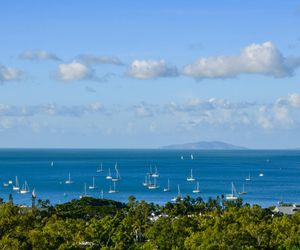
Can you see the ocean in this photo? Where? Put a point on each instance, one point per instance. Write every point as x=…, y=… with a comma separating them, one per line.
x=214, y=170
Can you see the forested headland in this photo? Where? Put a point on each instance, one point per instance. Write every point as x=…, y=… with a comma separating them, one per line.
x=91, y=223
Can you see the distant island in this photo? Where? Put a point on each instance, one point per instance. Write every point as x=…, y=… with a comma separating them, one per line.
x=205, y=145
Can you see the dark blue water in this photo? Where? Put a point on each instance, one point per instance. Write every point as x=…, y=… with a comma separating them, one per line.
x=215, y=170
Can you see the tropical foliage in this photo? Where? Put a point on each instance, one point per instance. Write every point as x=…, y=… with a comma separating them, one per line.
x=187, y=224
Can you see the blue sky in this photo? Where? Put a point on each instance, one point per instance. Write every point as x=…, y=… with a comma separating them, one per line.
x=149, y=73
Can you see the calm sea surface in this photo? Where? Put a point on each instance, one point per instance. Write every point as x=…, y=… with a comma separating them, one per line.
x=215, y=170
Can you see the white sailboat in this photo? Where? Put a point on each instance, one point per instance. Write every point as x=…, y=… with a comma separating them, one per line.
x=167, y=189
x=248, y=178
x=33, y=193
x=117, y=177
x=233, y=195
x=178, y=197
x=69, y=181
x=191, y=177
x=155, y=174
x=25, y=188
x=261, y=174
x=10, y=182
x=85, y=193
x=5, y=184
x=16, y=187
x=111, y=191
x=192, y=157
x=108, y=177
x=52, y=164
x=93, y=185
x=197, y=189
x=100, y=169
x=243, y=191
x=181, y=157
x=145, y=183
x=154, y=185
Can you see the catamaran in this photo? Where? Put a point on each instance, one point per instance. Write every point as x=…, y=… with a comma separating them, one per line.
x=85, y=193
x=108, y=177
x=167, y=189
x=118, y=177
x=25, y=188
x=197, y=189
x=69, y=181
x=111, y=191
x=100, y=170
x=16, y=187
x=248, y=178
x=191, y=177
x=178, y=197
x=243, y=191
x=153, y=186
x=93, y=186
x=233, y=196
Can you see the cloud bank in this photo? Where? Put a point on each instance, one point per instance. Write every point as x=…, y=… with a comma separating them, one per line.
x=264, y=59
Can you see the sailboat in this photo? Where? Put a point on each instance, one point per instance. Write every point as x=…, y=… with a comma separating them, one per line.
x=167, y=189
x=52, y=164
x=192, y=157
x=111, y=191
x=25, y=188
x=153, y=186
x=145, y=183
x=248, y=178
x=93, y=186
x=69, y=181
x=232, y=196
x=197, y=189
x=108, y=177
x=155, y=174
x=10, y=182
x=261, y=174
x=191, y=177
x=178, y=197
x=100, y=170
x=181, y=157
x=33, y=193
x=85, y=194
x=16, y=187
x=5, y=184
x=118, y=177
x=243, y=191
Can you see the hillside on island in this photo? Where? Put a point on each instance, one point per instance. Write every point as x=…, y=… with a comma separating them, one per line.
x=205, y=145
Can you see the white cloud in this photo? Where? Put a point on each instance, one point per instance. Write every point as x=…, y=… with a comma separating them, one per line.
x=73, y=71
x=263, y=59
x=41, y=55
x=9, y=74
x=151, y=69
x=93, y=59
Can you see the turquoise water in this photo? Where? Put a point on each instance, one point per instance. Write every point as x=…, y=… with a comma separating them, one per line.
x=215, y=170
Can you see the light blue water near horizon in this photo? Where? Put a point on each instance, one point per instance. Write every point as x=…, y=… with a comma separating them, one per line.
x=215, y=170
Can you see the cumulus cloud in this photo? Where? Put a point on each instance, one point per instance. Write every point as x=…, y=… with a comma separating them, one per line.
x=263, y=59
x=151, y=69
x=73, y=71
x=9, y=74
x=143, y=110
x=93, y=59
x=39, y=55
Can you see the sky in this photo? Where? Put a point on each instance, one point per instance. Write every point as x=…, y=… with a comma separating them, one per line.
x=144, y=74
